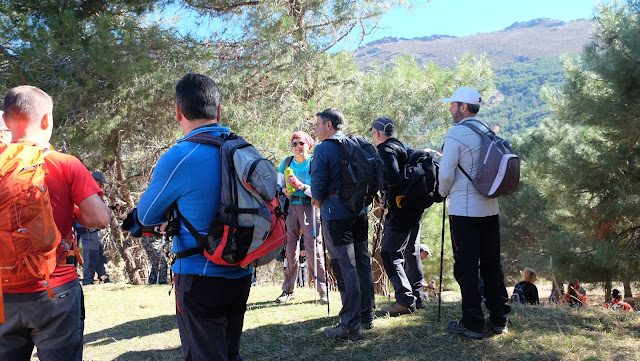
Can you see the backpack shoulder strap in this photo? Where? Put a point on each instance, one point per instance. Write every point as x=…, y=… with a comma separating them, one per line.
x=287, y=161
x=476, y=129
x=208, y=138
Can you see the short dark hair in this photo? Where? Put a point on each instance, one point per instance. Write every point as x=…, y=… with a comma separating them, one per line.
x=473, y=108
x=198, y=97
x=332, y=115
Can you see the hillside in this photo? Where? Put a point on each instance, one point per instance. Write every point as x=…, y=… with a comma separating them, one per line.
x=519, y=42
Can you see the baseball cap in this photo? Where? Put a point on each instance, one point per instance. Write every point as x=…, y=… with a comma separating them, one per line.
x=99, y=176
x=615, y=293
x=383, y=124
x=464, y=95
x=425, y=248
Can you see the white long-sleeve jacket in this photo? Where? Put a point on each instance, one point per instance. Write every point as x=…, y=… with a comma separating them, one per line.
x=463, y=146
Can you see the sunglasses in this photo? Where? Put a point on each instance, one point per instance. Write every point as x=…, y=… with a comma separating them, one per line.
x=294, y=144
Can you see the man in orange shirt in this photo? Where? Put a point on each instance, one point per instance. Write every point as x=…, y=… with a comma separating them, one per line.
x=55, y=326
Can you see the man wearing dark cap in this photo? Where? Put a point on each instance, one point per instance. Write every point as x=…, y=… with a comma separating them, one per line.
x=93, y=257
x=400, y=249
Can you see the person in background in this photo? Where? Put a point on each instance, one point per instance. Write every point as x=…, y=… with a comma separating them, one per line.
x=425, y=252
x=573, y=297
x=94, y=260
x=300, y=218
x=617, y=302
x=54, y=325
x=528, y=291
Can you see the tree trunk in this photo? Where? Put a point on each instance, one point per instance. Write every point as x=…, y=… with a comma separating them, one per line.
x=607, y=288
x=627, y=288
x=380, y=278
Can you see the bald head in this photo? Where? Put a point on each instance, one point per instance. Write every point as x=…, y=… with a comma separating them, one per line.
x=27, y=112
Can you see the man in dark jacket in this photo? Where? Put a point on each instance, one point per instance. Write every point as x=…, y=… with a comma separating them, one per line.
x=400, y=250
x=344, y=231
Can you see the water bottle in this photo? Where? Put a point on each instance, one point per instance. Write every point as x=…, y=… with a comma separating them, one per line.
x=290, y=187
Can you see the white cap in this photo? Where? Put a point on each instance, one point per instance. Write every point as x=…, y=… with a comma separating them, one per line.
x=425, y=248
x=464, y=95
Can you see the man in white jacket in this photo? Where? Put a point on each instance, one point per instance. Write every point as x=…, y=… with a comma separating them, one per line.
x=473, y=221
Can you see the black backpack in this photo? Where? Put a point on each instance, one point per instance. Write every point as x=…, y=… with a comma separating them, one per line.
x=517, y=297
x=421, y=190
x=362, y=172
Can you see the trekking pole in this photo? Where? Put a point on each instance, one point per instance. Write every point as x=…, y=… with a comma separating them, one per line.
x=326, y=276
x=315, y=257
x=444, y=206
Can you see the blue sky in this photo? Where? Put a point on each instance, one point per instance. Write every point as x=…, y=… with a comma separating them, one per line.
x=467, y=17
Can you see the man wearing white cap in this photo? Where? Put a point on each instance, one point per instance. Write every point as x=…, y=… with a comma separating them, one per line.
x=473, y=221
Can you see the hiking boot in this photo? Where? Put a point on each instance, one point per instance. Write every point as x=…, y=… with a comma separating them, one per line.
x=285, y=297
x=366, y=325
x=498, y=330
x=456, y=327
x=342, y=332
x=323, y=300
x=397, y=309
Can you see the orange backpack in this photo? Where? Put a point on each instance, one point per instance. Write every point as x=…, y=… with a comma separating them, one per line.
x=28, y=234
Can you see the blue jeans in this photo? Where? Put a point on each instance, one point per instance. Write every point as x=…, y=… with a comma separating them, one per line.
x=348, y=246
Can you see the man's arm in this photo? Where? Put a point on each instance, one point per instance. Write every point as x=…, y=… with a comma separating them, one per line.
x=320, y=174
x=391, y=171
x=448, y=165
x=165, y=187
x=93, y=213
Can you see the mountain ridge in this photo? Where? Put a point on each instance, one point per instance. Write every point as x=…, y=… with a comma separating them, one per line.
x=521, y=41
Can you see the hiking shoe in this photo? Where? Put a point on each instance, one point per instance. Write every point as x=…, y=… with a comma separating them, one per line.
x=498, y=330
x=323, y=300
x=285, y=297
x=342, y=332
x=456, y=327
x=397, y=309
x=366, y=325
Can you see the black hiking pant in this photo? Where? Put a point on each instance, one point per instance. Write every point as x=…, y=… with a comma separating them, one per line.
x=210, y=314
x=476, y=239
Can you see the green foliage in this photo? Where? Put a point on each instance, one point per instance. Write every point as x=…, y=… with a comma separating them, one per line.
x=585, y=163
x=519, y=105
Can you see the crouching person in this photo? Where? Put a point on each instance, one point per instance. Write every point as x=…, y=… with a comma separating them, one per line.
x=210, y=299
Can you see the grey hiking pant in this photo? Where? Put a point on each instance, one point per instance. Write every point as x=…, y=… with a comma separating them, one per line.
x=400, y=252
x=300, y=220
x=55, y=326
x=348, y=246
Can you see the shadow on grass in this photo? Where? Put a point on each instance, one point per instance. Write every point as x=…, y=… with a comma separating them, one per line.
x=129, y=330
x=538, y=333
x=169, y=354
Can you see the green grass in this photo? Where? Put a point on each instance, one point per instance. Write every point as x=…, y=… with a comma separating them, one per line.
x=138, y=323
